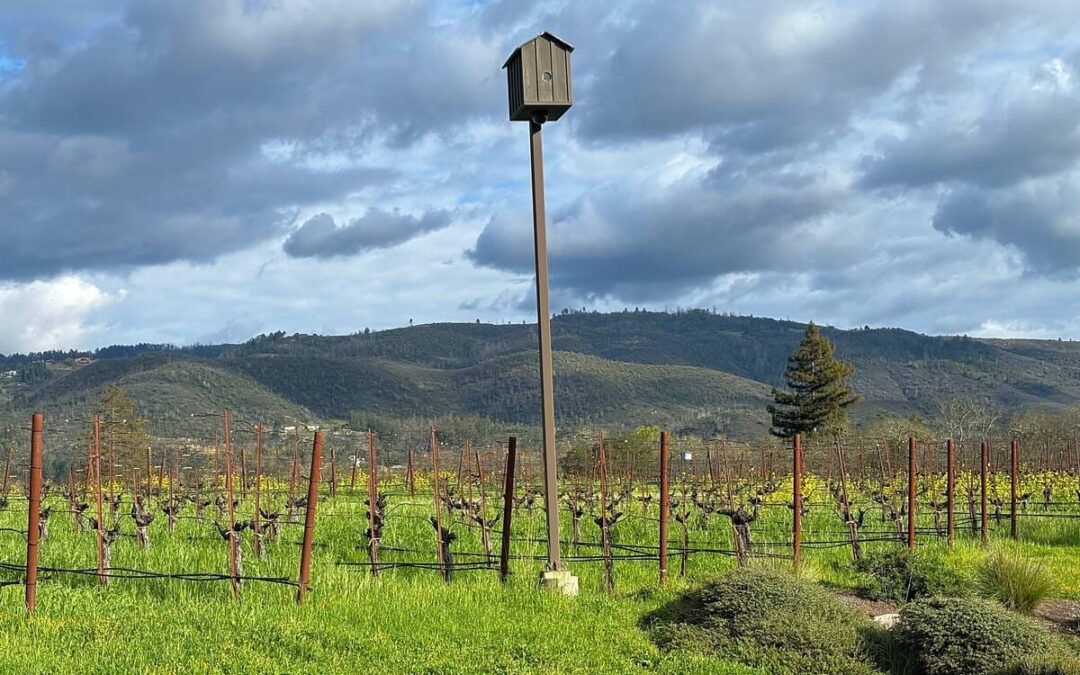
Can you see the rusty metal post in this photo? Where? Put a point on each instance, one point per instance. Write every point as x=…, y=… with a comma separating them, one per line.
x=37, y=431
x=102, y=579
x=796, y=500
x=410, y=478
x=543, y=325
x=950, y=490
x=508, y=509
x=912, y=477
x=665, y=505
x=309, y=516
x=984, y=464
x=1014, y=479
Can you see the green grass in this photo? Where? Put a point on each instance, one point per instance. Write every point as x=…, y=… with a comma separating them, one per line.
x=407, y=620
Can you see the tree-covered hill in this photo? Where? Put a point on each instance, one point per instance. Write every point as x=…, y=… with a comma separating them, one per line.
x=691, y=369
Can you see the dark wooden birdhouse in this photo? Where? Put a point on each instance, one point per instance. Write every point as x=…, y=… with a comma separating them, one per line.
x=538, y=78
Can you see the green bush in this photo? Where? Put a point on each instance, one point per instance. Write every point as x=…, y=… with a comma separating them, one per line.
x=901, y=575
x=969, y=636
x=767, y=620
x=1017, y=581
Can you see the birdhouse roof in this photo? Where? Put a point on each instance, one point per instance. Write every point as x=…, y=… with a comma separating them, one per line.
x=550, y=36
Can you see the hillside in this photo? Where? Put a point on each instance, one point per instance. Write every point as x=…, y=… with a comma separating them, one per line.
x=172, y=392
x=687, y=370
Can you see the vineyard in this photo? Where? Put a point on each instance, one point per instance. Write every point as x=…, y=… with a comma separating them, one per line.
x=199, y=556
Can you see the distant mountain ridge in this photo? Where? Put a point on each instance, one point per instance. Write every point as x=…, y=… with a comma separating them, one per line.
x=690, y=369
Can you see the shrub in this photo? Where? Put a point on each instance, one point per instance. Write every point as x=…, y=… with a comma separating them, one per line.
x=901, y=575
x=970, y=636
x=767, y=620
x=1017, y=581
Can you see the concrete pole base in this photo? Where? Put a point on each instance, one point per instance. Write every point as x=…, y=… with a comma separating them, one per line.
x=560, y=581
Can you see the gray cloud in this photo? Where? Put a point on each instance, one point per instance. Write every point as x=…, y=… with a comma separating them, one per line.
x=320, y=237
x=770, y=73
x=1038, y=134
x=1040, y=218
x=145, y=140
x=647, y=245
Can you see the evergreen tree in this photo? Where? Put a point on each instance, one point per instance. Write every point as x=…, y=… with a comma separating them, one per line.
x=817, y=395
x=121, y=426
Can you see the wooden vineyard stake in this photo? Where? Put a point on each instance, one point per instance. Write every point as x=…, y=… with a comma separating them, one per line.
x=102, y=579
x=243, y=473
x=508, y=509
x=7, y=472
x=849, y=521
x=950, y=491
x=796, y=500
x=665, y=504
x=485, y=525
x=984, y=517
x=37, y=431
x=436, y=520
x=373, y=504
x=256, y=525
x=231, y=534
x=605, y=538
x=912, y=477
x=1014, y=480
x=333, y=473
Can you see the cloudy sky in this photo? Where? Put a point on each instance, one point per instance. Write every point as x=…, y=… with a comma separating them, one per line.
x=206, y=170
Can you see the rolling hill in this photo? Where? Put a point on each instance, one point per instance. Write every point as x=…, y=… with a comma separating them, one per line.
x=690, y=370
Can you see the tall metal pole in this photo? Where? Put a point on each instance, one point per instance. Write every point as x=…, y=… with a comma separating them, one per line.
x=543, y=324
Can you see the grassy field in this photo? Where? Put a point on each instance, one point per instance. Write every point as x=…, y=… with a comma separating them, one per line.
x=407, y=620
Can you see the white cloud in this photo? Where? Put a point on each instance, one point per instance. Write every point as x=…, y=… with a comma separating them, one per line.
x=53, y=314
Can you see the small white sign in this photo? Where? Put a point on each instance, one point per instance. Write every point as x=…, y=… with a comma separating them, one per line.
x=688, y=456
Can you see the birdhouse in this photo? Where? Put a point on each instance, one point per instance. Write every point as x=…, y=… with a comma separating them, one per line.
x=538, y=78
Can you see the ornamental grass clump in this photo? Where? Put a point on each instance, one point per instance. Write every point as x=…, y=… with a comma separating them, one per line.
x=1019, y=582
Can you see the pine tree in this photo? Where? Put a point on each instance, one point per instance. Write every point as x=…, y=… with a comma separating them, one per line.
x=121, y=426
x=817, y=395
